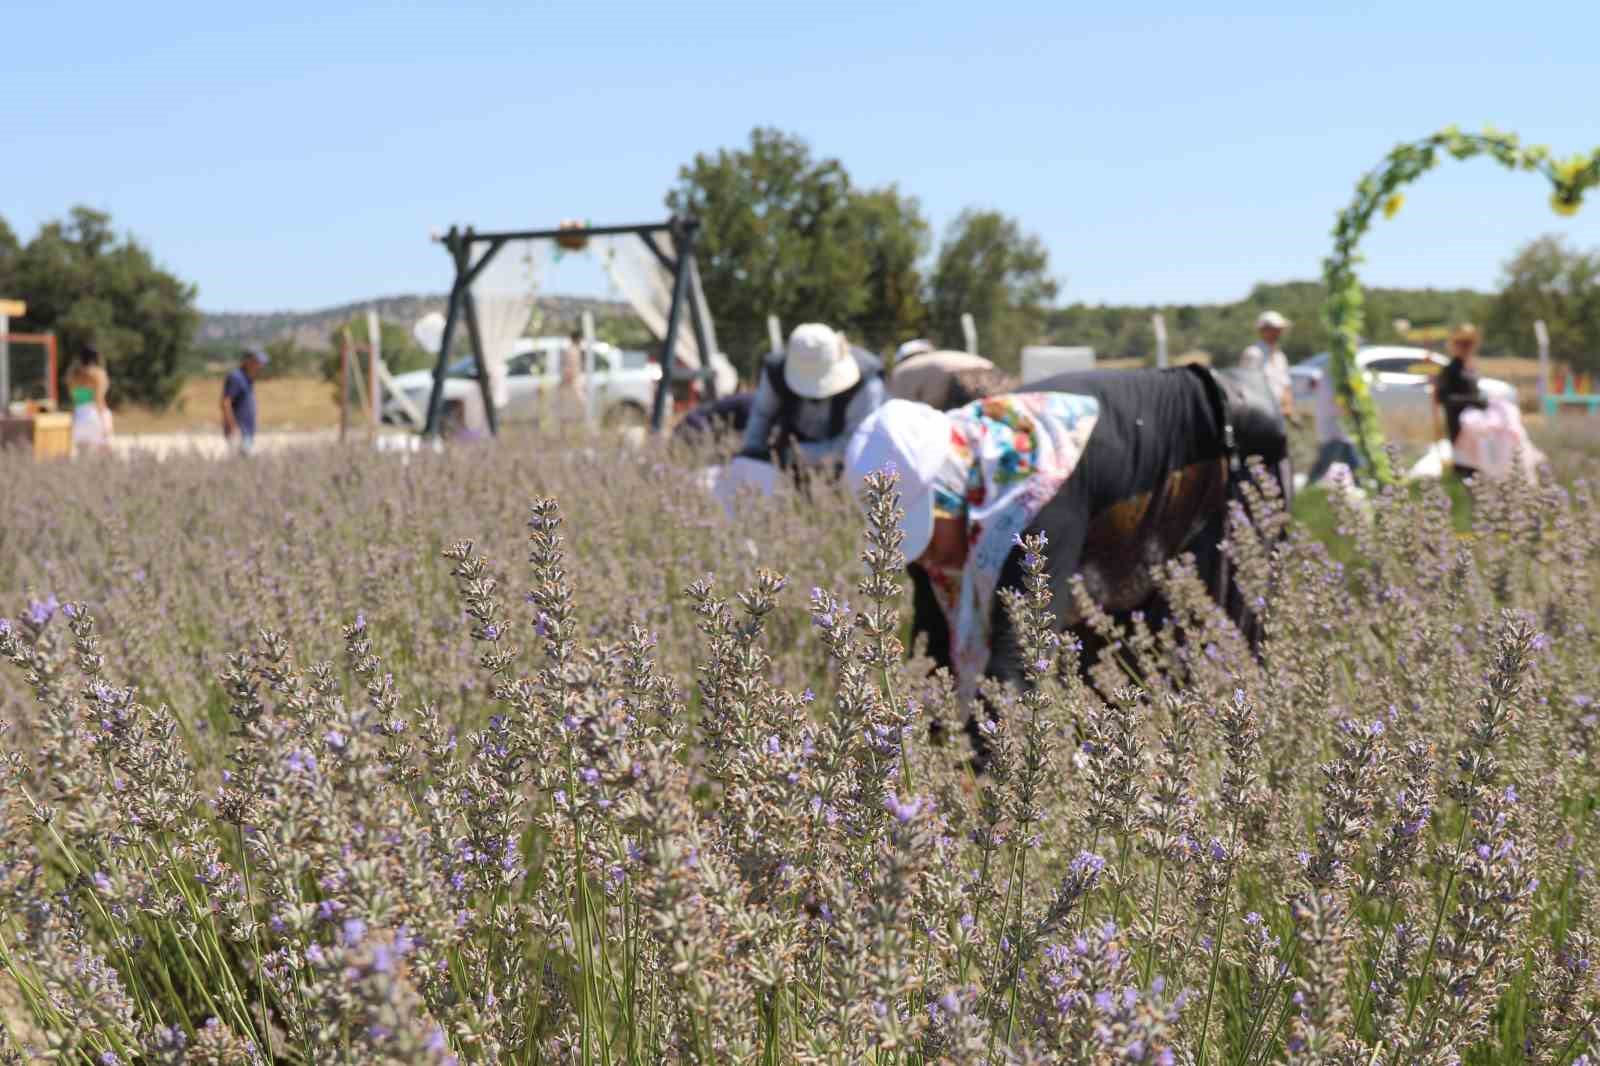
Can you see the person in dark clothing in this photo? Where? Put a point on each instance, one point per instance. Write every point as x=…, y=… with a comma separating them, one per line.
x=1456, y=388
x=729, y=415
x=239, y=401
x=811, y=398
x=1121, y=470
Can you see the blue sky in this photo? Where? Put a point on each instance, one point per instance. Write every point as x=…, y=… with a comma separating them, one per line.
x=283, y=155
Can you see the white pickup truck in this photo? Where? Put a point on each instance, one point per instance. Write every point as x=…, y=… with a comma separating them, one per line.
x=624, y=384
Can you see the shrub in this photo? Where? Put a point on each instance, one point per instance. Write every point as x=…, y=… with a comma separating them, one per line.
x=630, y=813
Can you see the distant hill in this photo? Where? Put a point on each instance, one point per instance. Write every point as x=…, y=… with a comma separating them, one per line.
x=311, y=329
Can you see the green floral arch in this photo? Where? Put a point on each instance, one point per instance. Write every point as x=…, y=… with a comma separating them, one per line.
x=1380, y=191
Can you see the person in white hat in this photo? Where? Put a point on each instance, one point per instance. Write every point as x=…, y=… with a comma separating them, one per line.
x=812, y=396
x=1265, y=355
x=943, y=379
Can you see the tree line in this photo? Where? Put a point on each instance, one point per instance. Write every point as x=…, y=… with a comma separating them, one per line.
x=786, y=232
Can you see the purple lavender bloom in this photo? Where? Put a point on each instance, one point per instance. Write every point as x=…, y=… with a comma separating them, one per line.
x=1087, y=865
x=41, y=611
x=903, y=811
x=354, y=930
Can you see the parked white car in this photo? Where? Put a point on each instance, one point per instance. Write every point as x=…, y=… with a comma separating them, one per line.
x=1401, y=379
x=624, y=385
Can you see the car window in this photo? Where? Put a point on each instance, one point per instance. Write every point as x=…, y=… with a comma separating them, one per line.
x=603, y=363
x=525, y=364
x=1403, y=364
x=1392, y=365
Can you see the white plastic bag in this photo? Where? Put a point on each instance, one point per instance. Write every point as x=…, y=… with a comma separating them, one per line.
x=1493, y=440
x=743, y=476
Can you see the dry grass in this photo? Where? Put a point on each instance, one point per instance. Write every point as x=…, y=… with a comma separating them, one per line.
x=282, y=403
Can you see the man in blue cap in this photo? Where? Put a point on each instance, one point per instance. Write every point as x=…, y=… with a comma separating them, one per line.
x=239, y=401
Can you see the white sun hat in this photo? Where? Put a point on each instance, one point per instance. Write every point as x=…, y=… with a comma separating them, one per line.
x=913, y=439
x=1273, y=319
x=818, y=363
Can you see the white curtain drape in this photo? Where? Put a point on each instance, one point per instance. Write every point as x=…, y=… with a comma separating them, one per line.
x=647, y=286
x=504, y=293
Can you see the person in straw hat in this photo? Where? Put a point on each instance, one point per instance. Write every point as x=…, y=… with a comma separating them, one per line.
x=812, y=396
x=1457, y=390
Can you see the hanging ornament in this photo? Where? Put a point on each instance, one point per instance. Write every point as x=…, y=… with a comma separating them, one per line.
x=573, y=242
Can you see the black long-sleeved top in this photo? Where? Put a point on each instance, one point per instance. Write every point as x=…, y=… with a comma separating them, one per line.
x=1456, y=389
x=1152, y=479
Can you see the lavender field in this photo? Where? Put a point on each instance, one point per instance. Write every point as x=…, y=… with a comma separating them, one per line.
x=528, y=755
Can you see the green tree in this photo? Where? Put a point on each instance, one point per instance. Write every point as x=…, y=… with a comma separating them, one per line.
x=86, y=285
x=9, y=247
x=1223, y=329
x=990, y=268
x=894, y=239
x=400, y=349
x=1549, y=279
x=785, y=233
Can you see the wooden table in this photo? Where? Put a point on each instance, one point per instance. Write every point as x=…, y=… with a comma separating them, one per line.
x=45, y=435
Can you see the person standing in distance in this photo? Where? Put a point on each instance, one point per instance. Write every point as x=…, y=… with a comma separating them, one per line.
x=91, y=417
x=1266, y=356
x=239, y=401
x=1457, y=390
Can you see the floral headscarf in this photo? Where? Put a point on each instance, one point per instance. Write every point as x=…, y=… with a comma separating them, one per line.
x=1009, y=455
